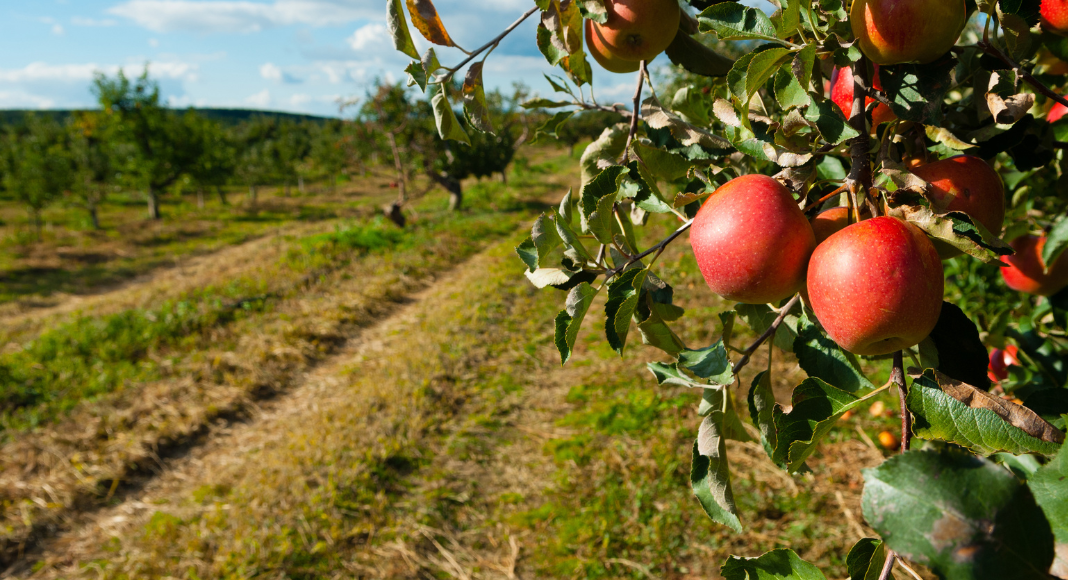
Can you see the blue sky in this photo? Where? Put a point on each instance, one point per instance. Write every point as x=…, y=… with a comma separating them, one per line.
x=287, y=55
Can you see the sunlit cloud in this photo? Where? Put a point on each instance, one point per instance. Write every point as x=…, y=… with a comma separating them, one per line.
x=240, y=16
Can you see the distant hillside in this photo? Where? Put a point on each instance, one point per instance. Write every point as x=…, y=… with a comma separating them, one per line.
x=224, y=116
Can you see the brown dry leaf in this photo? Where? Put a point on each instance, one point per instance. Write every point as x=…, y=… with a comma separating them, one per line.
x=426, y=20
x=1016, y=415
x=1009, y=110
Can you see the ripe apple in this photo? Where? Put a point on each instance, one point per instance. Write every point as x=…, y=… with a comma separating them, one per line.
x=969, y=185
x=897, y=31
x=829, y=221
x=1026, y=270
x=842, y=95
x=639, y=29
x=751, y=241
x=610, y=62
x=1000, y=361
x=876, y=286
x=1055, y=16
x=1056, y=112
x=888, y=440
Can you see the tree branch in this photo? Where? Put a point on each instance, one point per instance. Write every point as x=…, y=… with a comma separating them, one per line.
x=637, y=112
x=860, y=178
x=888, y=565
x=657, y=248
x=1026, y=76
x=747, y=353
x=898, y=376
x=493, y=42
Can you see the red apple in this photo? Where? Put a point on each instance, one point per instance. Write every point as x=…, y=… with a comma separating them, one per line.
x=897, y=31
x=639, y=29
x=876, y=286
x=1000, y=361
x=842, y=95
x=829, y=221
x=1026, y=272
x=610, y=62
x=969, y=185
x=751, y=241
x=1055, y=16
x=1056, y=112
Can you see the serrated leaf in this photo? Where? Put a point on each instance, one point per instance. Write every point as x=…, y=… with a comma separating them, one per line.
x=570, y=319
x=960, y=515
x=710, y=363
x=788, y=90
x=710, y=476
x=475, y=107
x=528, y=252
x=604, y=151
x=958, y=230
x=865, y=560
x=774, y=565
x=762, y=410
x=623, y=295
x=597, y=201
x=663, y=164
x=1050, y=487
x=689, y=53
x=789, y=17
x=656, y=333
x=545, y=277
x=659, y=118
x=670, y=374
x=817, y=406
x=551, y=126
x=761, y=68
x=731, y=21
x=832, y=125
x=953, y=411
x=916, y=91
x=398, y=29
x=822, y=358
x=416, y=75
x=1056, y=242
x=426, y=20
x=445, y=118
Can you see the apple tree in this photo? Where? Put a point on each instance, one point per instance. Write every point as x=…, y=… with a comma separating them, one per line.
x=871, y=182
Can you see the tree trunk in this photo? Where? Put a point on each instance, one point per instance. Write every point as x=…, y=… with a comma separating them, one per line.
x=200, y=199
x=37, y=224
x=504, y=176
x=393, y=212
x=300, y=184
x=222, y=195
x=252, y=194
x=456, y=198
x=153, y=203
x=93, y=217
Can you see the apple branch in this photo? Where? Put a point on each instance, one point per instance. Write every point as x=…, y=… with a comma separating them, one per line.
x=658, y=249
x=859, y=179
x=897, y=375
x=637, y=112
x=888, y=565
x=995, y=52
x=493, y=43
x=748, y=353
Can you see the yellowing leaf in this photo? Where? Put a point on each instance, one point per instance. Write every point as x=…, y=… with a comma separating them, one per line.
x=428, y=23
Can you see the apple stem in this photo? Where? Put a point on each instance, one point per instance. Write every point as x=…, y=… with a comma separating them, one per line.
x=658, y=249
x=888, y=565
x=1026, y=76
x=747, y=353
x=636, y=112
x=898, y=376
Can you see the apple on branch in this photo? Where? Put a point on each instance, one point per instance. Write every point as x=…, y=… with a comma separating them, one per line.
x=842, y=95
x=966, y=184
x=637, y=30
x=1027, y=272
x=751, y=241
x=899, y=31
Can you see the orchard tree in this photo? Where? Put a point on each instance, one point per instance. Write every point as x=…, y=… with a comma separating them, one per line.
x=35, y=167
x=870, y=182
x=90, y=161
x=215, y=162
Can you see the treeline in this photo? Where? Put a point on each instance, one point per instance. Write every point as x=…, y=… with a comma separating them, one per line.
x=133, y=142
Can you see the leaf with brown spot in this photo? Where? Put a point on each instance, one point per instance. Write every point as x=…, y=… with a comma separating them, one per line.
x=957, y=412
x=475, y=99
x=428, y=23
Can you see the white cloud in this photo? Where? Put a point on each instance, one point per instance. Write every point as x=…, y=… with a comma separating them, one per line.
x=260, y=100
x=300, y=99
x=57, y=29
x=271, y=72
x=39, y=71
x=21, y=100
x=240, y=16
x=79, y=21
x=373, y=36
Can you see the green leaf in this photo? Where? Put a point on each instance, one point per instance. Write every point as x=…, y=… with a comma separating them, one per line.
x=550, y=127
x=761, y=68
x=544, y=238
x=830, y=122
x=656, y=333
x=822, y=358
x=544, y=104
x=398, y=29
x=762, y=410
x=1050, y=487
x=593, y=10
x=817, y=406
x=916, y=91
x=789, y=17
x=663, y=164
x=528, y=252
x=475, y=107
x=1056, y=242
x=788, y=90
x=569, y=320
x=760, y=317
x=731, y=21
x=865, y=560
x=710, y=363
x=623, y=295
x=960, y=515
x=448, y=126
x=608, y=148
x=775, y=565
x=710, y=475
x=597, y=201
x=670, y=374
x=939, y=415
x=416, y=75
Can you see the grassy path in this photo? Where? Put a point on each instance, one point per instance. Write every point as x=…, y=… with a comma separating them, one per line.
x=447, y=442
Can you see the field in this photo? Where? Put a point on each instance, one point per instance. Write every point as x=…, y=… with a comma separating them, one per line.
x=300, y=389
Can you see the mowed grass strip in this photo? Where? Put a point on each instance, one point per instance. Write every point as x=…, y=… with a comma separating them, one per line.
x=192, y=378
x=455, y=446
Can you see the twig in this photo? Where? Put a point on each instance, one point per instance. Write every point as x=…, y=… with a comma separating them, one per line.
x=657, y=248
x=493, y=42
x=748, y=353
x=1026, y=76
x=898, y=376
x=824, y=198
x=908, y=569
x=595, y=107
x=888, y=565
x=637, y=112
x=860, y=178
